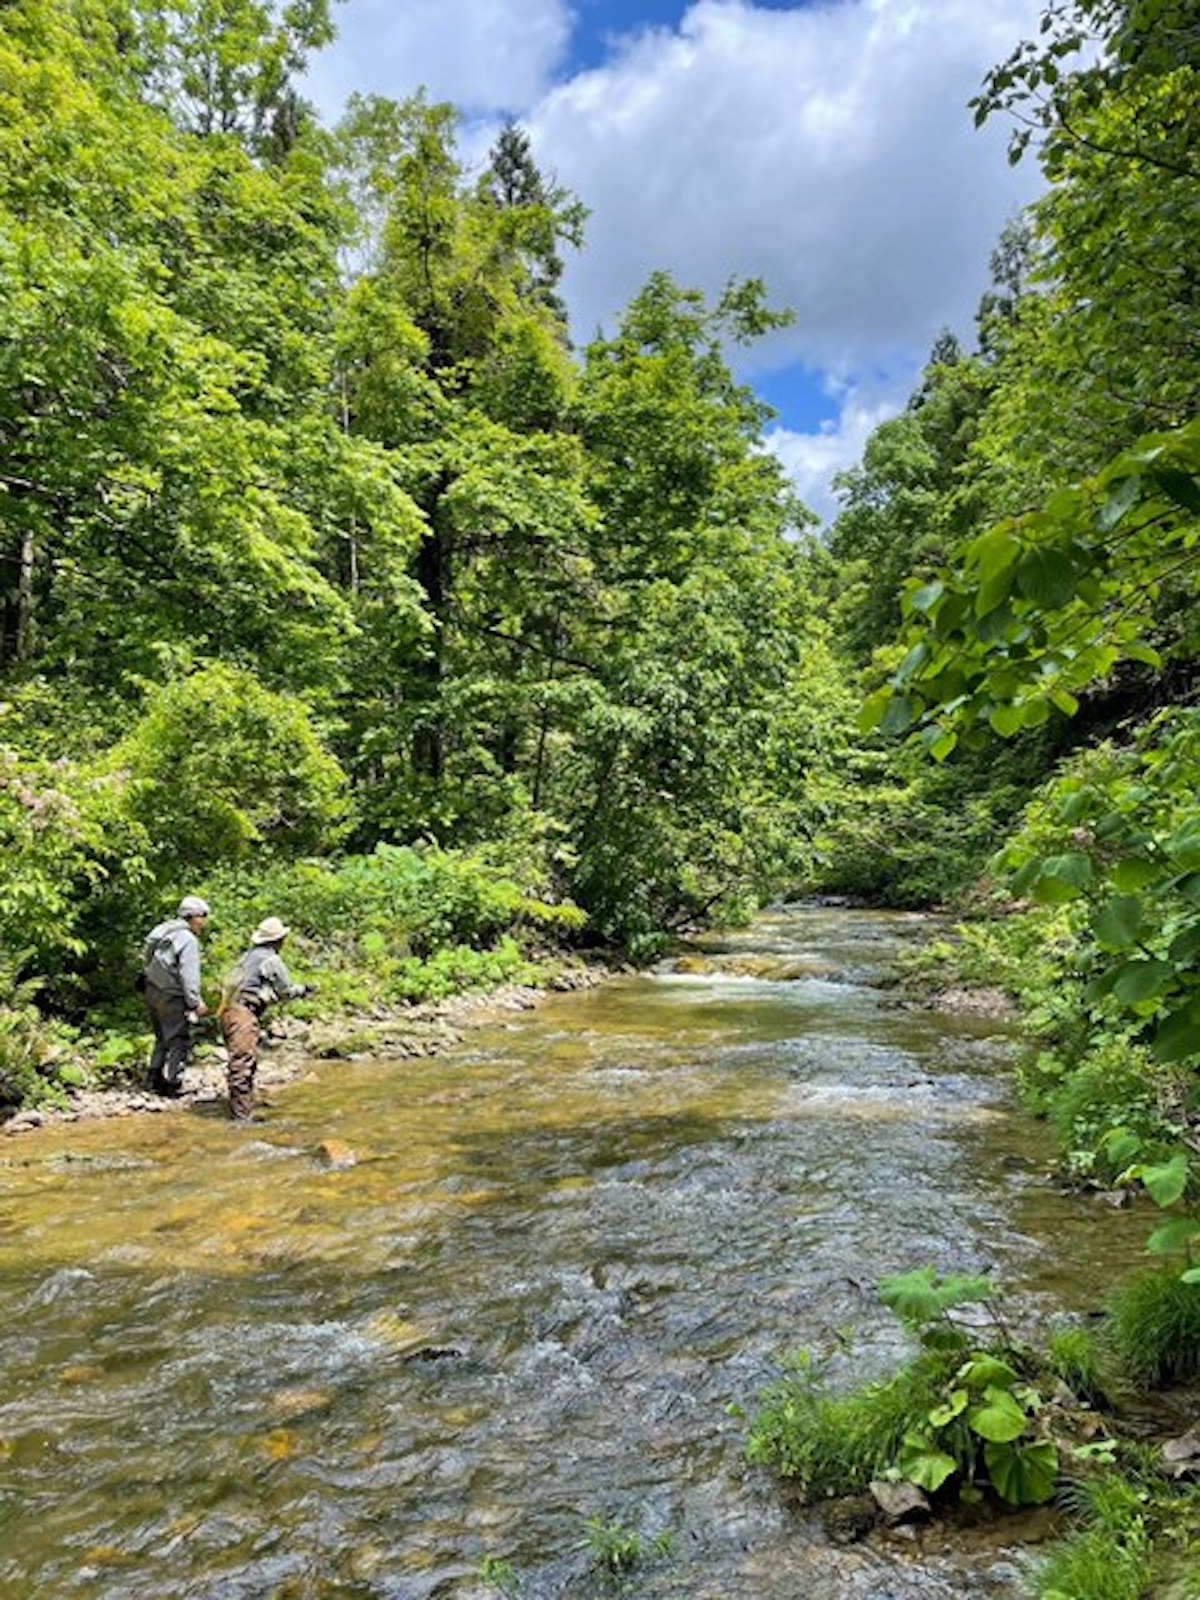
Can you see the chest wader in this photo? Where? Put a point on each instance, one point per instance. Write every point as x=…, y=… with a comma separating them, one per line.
x=172, y=1040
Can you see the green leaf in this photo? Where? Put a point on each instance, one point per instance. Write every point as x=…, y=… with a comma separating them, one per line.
x=1063, y=878
x=954, y=1405
x=898, y=717
x=922, y=1463
x=993, y=591
x=1185, y=946
x=1145, y=653
x=1179, y=486
x=1178, y=1035
x=1065, y=701
x=1007, y=720
x=1177, y=1234
x=873, y=709
x=983, y=1370
x=926, y=597
x=1023, y=1474
x=944, y=746
x=1184, y=848
x=913, y=662
x=1141, y=980
x=1118, y=922
x=918, y=1297
x=1192, y=1275
x=1121, y=1145
x=1046, y=576
x=998, y=1417
x=1166, y=1184
x=1135, y=872
x=994, y=551
x=1120, y=498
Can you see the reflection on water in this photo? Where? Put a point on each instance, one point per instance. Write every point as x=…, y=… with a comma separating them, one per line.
x=565, y=1252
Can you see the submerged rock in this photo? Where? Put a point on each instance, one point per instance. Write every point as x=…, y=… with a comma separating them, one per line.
x=335, y=1155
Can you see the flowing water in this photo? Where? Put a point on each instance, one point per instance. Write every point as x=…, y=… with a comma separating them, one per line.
x=568, y=1252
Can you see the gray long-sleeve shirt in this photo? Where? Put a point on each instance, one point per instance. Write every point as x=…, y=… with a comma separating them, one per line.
x=171, y=960
x=261, y=978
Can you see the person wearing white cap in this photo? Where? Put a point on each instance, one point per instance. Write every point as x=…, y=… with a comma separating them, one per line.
x=258, y=981
x=170, y=985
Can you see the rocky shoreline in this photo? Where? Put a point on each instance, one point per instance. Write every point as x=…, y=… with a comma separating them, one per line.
x=294, y=1047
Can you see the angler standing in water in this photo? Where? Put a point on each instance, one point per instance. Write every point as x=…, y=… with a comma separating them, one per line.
x=170, y=986
x=258, y=981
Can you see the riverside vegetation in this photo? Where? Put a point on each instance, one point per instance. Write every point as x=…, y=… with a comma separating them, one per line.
x=336, y=582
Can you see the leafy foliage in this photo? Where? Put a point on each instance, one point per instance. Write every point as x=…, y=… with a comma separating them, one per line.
x=958, y=1414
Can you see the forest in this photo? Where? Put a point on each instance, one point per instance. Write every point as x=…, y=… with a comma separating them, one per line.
x=339, y=582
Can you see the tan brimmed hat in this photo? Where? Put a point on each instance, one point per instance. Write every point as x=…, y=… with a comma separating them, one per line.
x=269, y=931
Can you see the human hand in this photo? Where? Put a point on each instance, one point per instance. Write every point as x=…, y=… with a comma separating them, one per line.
x=201, y=1010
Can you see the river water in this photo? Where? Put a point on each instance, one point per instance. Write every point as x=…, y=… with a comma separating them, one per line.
x=568, y=1253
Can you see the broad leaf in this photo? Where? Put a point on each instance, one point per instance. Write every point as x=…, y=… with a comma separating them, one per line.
x=1166, y=1184
x=1118, y=922
x=998, y=1417
x=922, y=1463
x=1178, y=1036
x=1141, y=980
x=1177, y=1234
x=954, y=1405
x=1023, y=1474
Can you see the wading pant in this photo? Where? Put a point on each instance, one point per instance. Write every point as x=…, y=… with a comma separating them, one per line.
x=241, y=1027
x=172, y=1039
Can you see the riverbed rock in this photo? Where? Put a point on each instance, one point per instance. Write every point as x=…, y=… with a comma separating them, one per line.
x=335, y=1155
x=850, y=1519
x=900, y=1502
x=1181, y=1457
x=974, y=1001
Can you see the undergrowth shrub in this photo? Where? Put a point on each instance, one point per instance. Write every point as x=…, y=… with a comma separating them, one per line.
x=36, y=1063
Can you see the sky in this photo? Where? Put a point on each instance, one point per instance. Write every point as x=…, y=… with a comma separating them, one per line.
x=824, y=146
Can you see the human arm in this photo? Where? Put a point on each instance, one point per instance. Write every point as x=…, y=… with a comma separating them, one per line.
x=188, y=948
x=277, y=976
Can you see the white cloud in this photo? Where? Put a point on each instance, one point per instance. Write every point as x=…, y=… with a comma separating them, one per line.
x=483, y=55
x=826, y=148
x=812, y=460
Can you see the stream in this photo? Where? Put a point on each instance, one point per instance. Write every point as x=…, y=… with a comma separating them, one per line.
x=569, y=1253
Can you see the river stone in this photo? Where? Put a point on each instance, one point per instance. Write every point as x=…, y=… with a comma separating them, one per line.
x=1181, y=1457
x=899, y=1502
x=335, y=1155
x=848, y=1520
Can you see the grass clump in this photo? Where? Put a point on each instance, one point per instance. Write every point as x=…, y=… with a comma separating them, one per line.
x=617, y=1547
x=1073, y=1354
x=835, y=1444
x=1154, y=1327
x=1098, y=1564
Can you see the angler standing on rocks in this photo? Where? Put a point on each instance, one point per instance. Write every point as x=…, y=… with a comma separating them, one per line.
x=170, y=985
x=258, y=981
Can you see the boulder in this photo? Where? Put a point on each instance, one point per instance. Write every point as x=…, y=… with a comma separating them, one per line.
x=900, y=1502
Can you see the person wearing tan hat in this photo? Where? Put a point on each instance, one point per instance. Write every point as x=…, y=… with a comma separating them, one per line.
x=170, y=986
x=258, y=981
